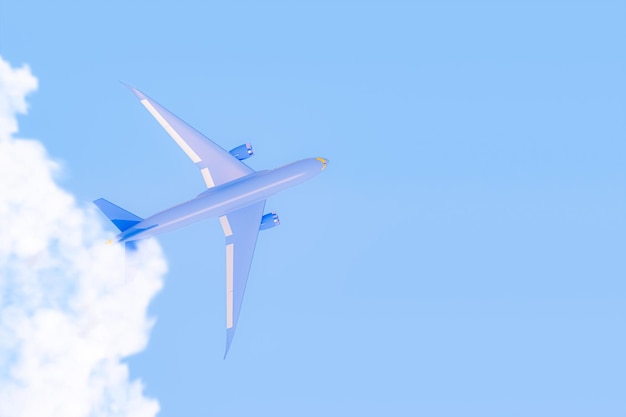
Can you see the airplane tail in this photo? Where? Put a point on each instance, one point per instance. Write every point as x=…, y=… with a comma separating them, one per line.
x=121, y=218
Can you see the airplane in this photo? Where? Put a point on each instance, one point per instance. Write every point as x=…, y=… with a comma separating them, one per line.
x=235, y=194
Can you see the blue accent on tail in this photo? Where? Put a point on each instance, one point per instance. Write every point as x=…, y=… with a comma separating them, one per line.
x=131, y=246
x=121, y=218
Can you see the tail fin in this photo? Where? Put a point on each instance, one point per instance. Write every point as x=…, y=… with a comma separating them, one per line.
x=121, y=218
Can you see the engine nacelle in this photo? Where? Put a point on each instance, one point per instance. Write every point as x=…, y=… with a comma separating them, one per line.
x=242, y=152
x=269, y=220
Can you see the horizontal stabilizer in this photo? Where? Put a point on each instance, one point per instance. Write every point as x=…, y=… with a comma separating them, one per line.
x=121, y=218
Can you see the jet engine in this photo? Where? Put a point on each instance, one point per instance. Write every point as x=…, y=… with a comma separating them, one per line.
x=242, y=152
x=269, y=220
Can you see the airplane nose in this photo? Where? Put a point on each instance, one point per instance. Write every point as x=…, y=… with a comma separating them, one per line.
x=324, y=162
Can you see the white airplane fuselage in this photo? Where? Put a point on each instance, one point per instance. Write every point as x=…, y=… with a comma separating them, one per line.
x=225, y=198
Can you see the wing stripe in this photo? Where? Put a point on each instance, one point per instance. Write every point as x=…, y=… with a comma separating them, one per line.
x=208, y=179
x=173, y=133
x=229, y=284
x=226, y=226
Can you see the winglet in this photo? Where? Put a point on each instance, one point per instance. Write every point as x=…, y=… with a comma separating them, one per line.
x=230, y=333
x=137, y=93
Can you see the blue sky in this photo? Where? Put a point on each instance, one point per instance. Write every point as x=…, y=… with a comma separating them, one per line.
x=463, y=255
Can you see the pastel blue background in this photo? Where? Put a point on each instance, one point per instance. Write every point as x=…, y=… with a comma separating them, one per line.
x=463, y=254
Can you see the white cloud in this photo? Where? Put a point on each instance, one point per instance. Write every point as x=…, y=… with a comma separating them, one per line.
x=14, y=85
x=71, y=308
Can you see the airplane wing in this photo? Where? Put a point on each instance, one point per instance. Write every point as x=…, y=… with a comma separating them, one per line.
x=241, y=228
x=216, y=165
